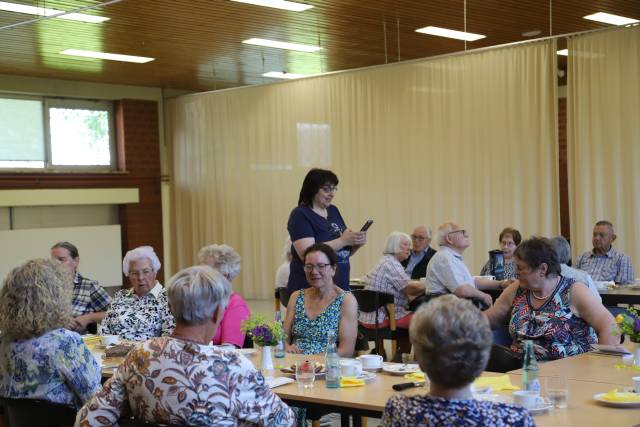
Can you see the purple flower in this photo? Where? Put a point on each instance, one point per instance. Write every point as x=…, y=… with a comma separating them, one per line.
x=636, y=327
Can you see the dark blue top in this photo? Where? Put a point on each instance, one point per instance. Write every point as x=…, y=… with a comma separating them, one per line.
x=304, y=222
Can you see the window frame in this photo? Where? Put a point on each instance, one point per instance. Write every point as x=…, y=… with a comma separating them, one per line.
x=70, y=103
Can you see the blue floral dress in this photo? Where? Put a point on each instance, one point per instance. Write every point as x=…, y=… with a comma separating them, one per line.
x=409, y=411
x=554, y=328
x=56, y=366
x=311, y=335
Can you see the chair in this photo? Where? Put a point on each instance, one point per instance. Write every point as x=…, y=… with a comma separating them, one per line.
x=503, y=360
x=36, y=412
x=282, y=295
x=371, y=301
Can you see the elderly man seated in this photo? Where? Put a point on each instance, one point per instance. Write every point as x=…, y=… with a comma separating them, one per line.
x=447, y=273
x=563, y=250
x=604, y=263
x=90, y=301
x=421, y=253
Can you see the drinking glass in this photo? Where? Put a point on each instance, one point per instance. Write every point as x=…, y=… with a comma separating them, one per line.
x=557, y=390
x=305, y=374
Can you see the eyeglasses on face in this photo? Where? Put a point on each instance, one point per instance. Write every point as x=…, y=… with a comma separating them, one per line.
x=320, y=267
x=419, y=238
x=138, y=273
x=329, y=188
x=462, y=230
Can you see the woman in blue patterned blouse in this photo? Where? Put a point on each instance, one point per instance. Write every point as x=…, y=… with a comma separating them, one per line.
x=452, y=341
x=323, y=307
x=39, y=359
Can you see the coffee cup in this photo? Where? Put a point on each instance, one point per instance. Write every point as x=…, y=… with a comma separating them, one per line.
x=525, y=398
x=350, y=367
x=636, y=384
x=371, y=361
x=109, y=339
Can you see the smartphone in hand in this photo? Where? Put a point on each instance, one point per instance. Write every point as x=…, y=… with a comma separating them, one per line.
x=366, y=225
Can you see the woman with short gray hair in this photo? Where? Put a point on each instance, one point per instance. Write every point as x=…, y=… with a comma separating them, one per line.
x=193, y=382
x=140, y=312
x=226, y=260
x=452, y=343
x=388, y=276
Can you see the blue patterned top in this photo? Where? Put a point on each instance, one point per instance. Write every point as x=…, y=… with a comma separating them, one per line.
x=613, y=265
x=311, y=335
x=405, y=411
x=56, y=366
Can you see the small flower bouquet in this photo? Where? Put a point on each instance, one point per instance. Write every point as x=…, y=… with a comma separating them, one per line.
x=262, y=332
x=629, y=324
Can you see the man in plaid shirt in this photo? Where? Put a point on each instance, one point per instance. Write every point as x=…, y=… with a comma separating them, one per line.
x=90, y=301
x=604, y=263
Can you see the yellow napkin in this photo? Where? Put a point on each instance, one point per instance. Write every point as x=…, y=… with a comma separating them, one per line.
x=622, y=397
x=351, y=382
x=91, y=340
x=415, y=376
x=619, y=366
x=500, y=383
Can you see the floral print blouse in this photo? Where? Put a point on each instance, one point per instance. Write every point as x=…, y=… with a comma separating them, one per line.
x=56, y=366
x=139, y=318
x=405, y=411
x=311, y=335
x=170, y=381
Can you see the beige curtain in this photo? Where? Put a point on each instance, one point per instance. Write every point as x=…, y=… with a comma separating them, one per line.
x=603, y=143
x=470, y=137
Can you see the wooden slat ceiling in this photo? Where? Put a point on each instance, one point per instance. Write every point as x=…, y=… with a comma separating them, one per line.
x=197, y=43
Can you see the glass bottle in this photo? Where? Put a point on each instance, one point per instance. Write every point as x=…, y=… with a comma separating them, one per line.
x=279, y=350
x=332, y=362
x=530, y=373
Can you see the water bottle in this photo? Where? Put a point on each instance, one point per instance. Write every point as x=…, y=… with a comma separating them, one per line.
x=332, y=362
x=279, y=350
x=530, y=381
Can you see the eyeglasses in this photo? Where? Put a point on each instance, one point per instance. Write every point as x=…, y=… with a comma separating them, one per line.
x=138, y=273
x=462, y=230
x=418, y=238
x=329, y=188
x=320, y=267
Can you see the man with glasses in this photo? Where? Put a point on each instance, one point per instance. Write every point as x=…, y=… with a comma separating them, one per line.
x=447, y=273
x=604, y=263
x=421, y=253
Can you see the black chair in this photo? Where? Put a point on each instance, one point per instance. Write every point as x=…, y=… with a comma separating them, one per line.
x=371, y=301
x=503, y=360
x=35, y=412
x=248, y=342
x=282, y=295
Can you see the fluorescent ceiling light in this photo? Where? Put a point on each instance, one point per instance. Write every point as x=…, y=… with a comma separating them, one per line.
x=283, y=45
x=608, y=18
x=283, y=75
x=452, y=34
x=278, y=4
x=109, y=56
x=563, y=52
x=43, y=11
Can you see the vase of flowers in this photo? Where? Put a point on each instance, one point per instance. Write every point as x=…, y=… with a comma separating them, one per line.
x=265, y=334
x=629, y=324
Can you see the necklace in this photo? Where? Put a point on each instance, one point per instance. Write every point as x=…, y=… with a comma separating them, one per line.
x=542, y=298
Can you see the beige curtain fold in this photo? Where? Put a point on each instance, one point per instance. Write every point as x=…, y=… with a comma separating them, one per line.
x=470, y=137
x=603, y=137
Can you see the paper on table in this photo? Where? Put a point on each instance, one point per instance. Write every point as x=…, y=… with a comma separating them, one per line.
x=415, y=376
x=500, y=383
x=622, y=397
x=273, y=382
x=351, y=382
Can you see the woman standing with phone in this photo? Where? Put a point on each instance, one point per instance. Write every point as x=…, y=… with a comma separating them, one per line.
x=316, y=220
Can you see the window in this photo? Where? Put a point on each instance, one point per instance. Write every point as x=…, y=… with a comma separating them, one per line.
x=59, y=134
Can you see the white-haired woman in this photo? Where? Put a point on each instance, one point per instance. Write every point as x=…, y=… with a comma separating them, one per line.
x=140, y=312
x=452, y=342
x=226, y=260
x=183, y=380
x=388, y=276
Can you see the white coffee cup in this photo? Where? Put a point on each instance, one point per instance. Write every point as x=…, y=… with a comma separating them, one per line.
x=109, y=339
x=371, y=361
x=350, y=367
x=526, y=399
x=636, y=384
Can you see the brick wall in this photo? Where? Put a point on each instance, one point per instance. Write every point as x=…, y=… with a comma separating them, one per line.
x=139, y=163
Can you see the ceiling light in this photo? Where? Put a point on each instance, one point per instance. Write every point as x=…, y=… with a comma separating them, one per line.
x=531, y=33
x=278, y=4
x=563, y=52
x=43, y=11
x=452, y=34
x=608, y=18
x=109, y=56
x=283, y=75
x=283, y=45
